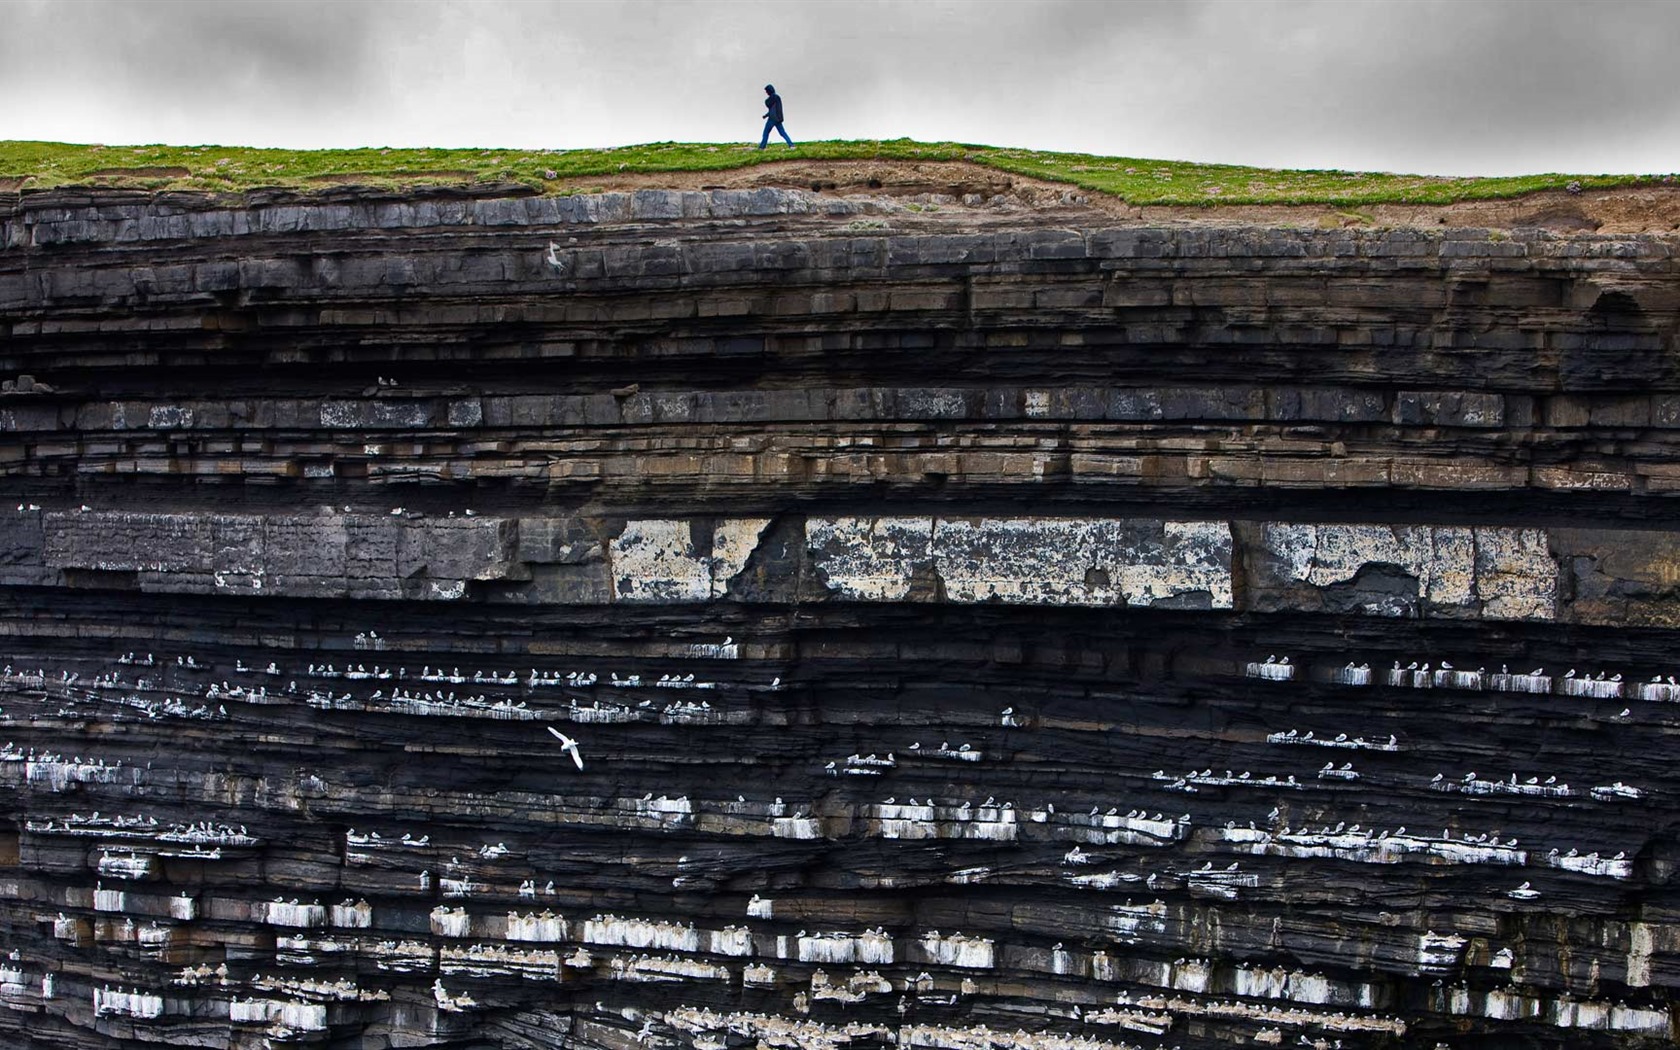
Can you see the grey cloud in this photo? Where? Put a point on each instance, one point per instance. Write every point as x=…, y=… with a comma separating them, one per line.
x=205, y=50
x=1459, y=80
x=1484, y=86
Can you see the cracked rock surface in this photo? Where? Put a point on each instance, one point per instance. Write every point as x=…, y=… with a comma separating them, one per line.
x=756, y=618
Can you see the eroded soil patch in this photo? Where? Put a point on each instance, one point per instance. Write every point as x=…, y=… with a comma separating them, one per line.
x=353, y=178
x=140, y=173
x=959, y=184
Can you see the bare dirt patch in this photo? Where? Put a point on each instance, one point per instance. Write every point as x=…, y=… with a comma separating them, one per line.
x=1654, y=209
x=845, y=178
x=356, y=178
x=1643, y=209
x=140, y=173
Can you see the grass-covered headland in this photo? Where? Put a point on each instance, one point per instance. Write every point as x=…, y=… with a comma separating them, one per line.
x=42, y=165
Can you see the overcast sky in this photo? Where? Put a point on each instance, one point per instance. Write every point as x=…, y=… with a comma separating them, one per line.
x=1438, y=86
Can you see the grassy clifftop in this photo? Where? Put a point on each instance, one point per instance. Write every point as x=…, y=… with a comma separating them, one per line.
x=234, y=168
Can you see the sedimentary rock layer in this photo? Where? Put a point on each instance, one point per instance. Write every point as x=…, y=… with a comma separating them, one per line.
x=755, y=618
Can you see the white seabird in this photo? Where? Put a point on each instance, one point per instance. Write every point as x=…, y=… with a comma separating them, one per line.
x=567, y=744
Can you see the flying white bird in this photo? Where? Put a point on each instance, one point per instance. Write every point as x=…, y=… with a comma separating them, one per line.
x=567, y=744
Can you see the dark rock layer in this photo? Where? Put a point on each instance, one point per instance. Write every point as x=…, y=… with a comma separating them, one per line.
x=750, y=618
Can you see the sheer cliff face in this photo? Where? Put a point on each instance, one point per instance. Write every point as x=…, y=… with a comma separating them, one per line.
x=754, y=619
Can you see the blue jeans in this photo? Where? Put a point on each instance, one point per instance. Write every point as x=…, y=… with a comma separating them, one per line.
x=768, y=124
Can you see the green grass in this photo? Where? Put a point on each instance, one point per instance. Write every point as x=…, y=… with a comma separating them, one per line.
x=237, y=168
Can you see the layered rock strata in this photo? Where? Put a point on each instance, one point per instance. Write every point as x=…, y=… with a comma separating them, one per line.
x=754, y=618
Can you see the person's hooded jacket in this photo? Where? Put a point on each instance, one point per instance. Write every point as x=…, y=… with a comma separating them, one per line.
x=772, y=104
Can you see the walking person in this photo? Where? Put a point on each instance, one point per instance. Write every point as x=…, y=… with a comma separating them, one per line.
x=773, y=117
